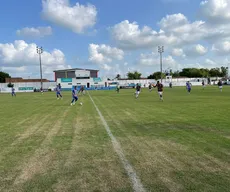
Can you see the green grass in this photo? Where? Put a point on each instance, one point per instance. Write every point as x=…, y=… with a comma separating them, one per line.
x=181, y=144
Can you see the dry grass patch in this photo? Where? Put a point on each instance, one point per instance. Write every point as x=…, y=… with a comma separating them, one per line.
x=42, y=160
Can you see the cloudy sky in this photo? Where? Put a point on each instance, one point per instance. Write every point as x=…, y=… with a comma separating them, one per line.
x=113, y=36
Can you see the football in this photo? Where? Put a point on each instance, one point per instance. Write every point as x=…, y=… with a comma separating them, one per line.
x=81, y=103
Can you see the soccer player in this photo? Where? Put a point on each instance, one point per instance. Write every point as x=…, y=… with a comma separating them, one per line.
x=220, y=84
x=138, y=89
x=58, y=91
x=82, y=90
x=203, y=84
x=118, y=89
x=13, y=92
x=160, y=89
x=150, y=87
x=74, y=96
x=170, y=84
x=188, y=86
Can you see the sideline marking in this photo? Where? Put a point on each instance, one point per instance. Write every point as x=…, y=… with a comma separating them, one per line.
x=136, y=182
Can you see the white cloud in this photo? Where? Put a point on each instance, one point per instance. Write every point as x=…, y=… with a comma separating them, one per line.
x=105, y=67
x=222, y=48
x=200, y=49
x=173, y=21
x=210, y=63
x=104, y=54
x=153, y=60
x=184, y=30
x=178, y=52
x=34, y=32
x=21, y=58
x=130, y=36
x=216, y=11
x=14, y=69
x=77, y=18
x=175, y=30
x=196, y=50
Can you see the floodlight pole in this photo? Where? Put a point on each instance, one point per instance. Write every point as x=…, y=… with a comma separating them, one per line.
x=40, y=51
x=161, y=50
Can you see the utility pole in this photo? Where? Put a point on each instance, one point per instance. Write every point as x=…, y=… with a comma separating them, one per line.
x=161, y=50
x=40, y=51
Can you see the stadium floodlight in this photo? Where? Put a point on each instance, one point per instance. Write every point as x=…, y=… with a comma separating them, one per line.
x=161, y=50
x=39, y=52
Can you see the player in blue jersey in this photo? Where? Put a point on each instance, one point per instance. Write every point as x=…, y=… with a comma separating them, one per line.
x=188, y=87
x=74, y=96
x=58, y=91
x=13, y=92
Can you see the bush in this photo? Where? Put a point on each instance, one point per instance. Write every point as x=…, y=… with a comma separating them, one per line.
x=10, y=85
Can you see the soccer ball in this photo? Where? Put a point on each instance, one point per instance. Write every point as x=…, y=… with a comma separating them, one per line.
x=81, y=103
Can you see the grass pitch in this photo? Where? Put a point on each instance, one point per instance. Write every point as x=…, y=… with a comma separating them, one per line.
x=181, y=144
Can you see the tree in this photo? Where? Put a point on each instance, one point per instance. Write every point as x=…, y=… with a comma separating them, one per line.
x=215, y=72
x=156, y=75
x=224, y=71
x=3, y=76
x=176, y=74
x=204, y=72
x=191, y=72
x=134, y=75
x=10, y=85
x=150, y=76
x=118, y=76
x=194, y=72
x=185, y=72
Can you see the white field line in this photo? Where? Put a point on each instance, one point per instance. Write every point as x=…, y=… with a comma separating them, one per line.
x=136, y=183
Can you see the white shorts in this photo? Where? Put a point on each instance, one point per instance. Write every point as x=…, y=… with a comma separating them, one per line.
x=160, y=92
x=220, y=87
x=137, y=92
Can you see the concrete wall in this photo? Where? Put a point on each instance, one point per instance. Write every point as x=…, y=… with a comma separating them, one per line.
x=95, y=82
x=99, y=82
x=36, y=85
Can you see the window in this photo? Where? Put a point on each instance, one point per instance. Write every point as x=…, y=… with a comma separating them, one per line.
x=82, y=77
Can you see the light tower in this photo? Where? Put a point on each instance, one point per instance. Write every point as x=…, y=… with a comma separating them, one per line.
x=161, y=50
x=40, y=51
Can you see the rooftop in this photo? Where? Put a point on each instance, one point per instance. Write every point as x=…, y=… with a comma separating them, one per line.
x=74, y=69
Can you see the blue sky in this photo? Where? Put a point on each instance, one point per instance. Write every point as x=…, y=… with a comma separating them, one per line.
x=113, y=36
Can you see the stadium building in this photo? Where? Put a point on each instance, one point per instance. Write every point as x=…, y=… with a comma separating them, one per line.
x=80, y=77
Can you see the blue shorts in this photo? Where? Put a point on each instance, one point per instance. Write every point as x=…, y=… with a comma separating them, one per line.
x=75, y=97
x=58, y=93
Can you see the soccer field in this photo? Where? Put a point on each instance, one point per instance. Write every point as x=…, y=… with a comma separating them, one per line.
x=181, y=144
